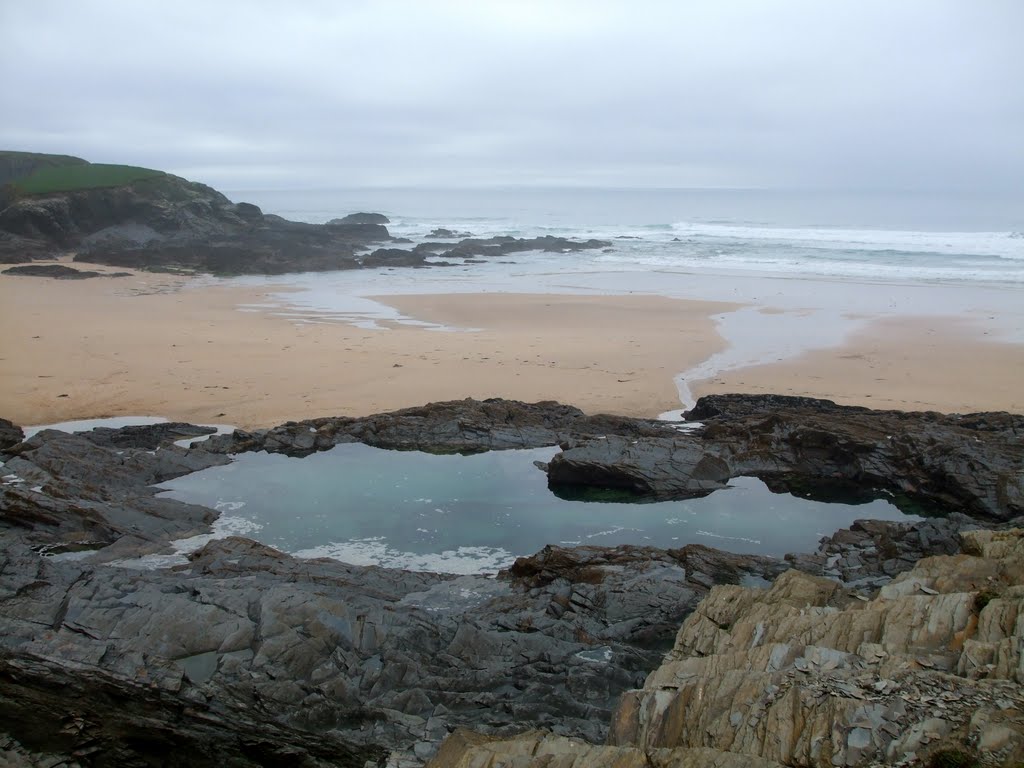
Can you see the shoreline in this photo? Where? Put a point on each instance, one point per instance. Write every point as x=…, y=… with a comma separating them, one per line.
x=210, y=351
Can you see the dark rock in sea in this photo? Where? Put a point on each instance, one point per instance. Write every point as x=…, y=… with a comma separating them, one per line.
x=448, y=233
x=393, y=257
x=360, y=218
x=59, y=272
x=502, y=245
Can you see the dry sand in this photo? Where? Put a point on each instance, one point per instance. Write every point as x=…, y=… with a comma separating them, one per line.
x=169, y=346
x=157, y=345
x=909, y=364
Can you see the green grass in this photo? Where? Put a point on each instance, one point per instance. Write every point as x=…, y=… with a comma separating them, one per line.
x=67, y=178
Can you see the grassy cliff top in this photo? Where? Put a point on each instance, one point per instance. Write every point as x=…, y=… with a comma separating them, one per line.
x=68, y=178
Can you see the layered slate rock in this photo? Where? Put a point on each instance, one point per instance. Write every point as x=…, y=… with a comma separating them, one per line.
x=971, y=462
x=453, y=426
x=659, y=468
x=801, y=674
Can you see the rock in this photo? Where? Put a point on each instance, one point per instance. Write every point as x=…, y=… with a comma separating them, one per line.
x=360, y=218
x=350, y=658
x=147, y=437
x=446, y=427
x=262, y=658
x=59, y=271
x=163, y=222
x=797, y=675
x=393, y=257
x=501, y=245
x=661, y=468
x=10, y=434
x=447, y=233
x=968, y=462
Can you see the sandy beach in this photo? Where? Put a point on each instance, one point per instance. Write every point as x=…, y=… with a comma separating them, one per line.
x=179, y=348
x=156, y=345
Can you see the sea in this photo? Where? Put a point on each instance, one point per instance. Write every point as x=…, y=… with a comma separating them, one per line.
x=809, y=268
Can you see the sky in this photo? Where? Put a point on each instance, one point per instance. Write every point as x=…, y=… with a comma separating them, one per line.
x=837, y=94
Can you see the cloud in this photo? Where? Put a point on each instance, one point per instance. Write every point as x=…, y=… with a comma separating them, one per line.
x=392, y=92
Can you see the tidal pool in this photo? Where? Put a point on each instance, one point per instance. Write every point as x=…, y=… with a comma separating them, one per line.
x=476, y=514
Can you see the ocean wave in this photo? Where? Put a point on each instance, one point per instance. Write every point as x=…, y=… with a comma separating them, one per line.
x=1004, y=244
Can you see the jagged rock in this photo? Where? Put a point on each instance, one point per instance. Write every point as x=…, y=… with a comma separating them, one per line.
x=360, y=218
x=801, y=675
x=870, y=553
x=465, y=749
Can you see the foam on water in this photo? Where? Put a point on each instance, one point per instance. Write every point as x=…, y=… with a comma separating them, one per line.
x=223, y=527
x=375, y=551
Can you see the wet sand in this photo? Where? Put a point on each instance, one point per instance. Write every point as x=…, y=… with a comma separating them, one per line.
x=181, y=348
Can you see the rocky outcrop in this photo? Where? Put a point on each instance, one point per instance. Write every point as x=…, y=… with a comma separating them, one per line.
x=973, y=462
x=801, y=674
x=261, y=658
x=10, y=434
x=923, y=462
x=166, y=222
x=338, y=661
x=503, y=245
x=59, y=272
x=654, y=467
x=360, y=218
x=457, y=426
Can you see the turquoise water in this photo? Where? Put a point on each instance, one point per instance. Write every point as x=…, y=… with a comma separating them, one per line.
x=472, y=514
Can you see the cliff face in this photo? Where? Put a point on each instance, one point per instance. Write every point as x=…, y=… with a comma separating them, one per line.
x=804, y=674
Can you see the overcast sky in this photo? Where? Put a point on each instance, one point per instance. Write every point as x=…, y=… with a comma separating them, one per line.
x=252, y=94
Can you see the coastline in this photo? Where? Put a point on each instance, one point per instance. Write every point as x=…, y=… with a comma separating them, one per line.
x=208, y=351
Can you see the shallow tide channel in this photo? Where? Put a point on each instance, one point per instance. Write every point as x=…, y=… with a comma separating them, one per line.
x=476, y=514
